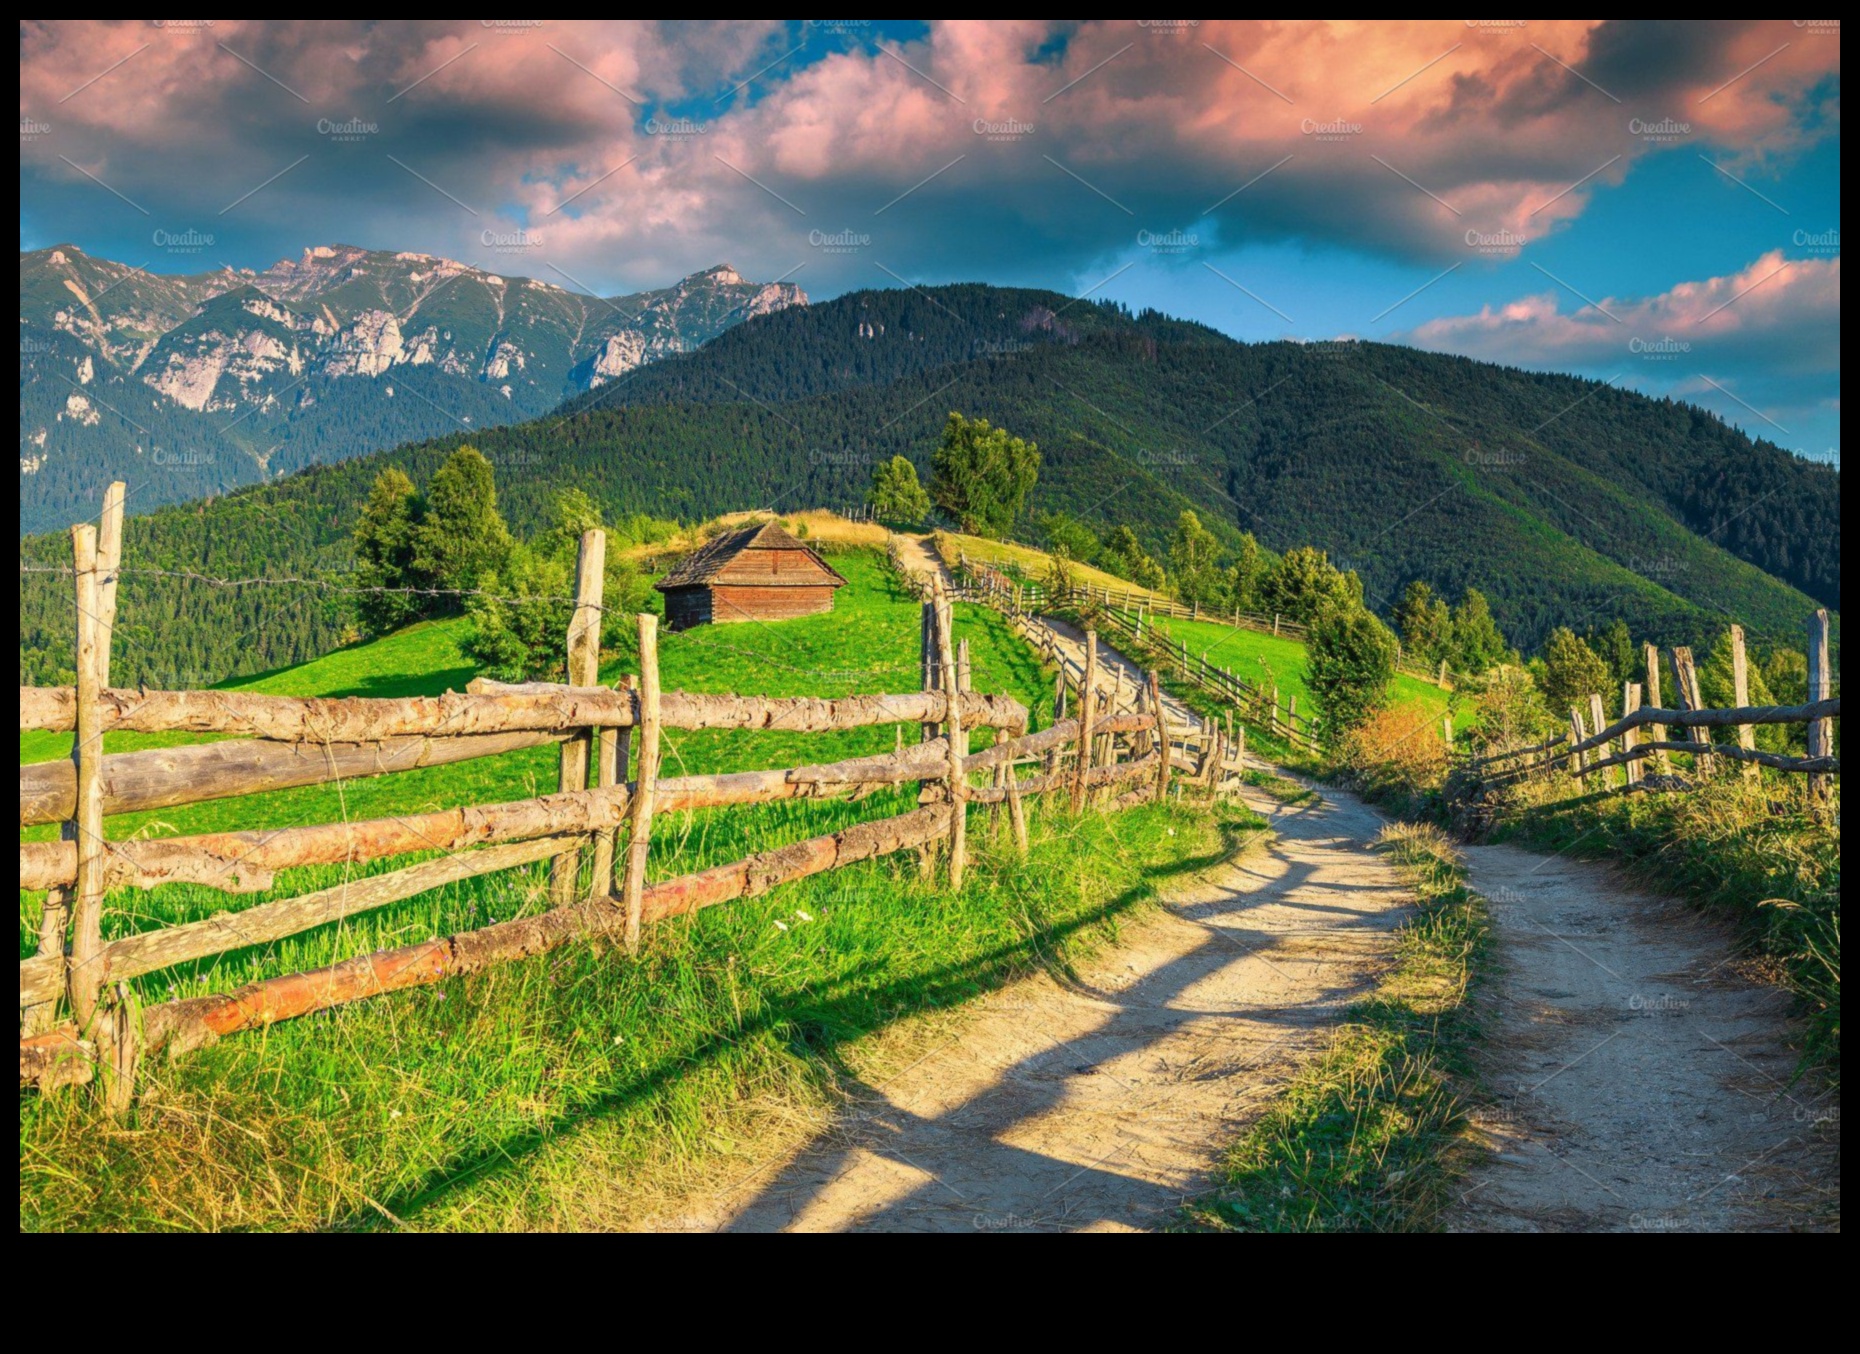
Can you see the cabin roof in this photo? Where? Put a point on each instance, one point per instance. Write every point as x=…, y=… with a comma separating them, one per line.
x=707, y=563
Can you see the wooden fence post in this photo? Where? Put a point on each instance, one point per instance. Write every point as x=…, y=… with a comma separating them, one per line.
x=1686, y=678
x=612, y=755
x=958, y=795
x=1656, y=733
x=1630, y=737
x=1240, y=748
x=927, y=650
x=1446, y=731
x=1162, y=736
x=1820, y=688
x=84, y=968
x=1598, y=720
x=55, y=916
x=1088, y=704
x=1740, y=697
x=1578, y=760
x=584, y=669
x=645, y=777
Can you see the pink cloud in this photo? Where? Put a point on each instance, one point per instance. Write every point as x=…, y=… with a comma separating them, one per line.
x=1397, y=137
x=1776, y=312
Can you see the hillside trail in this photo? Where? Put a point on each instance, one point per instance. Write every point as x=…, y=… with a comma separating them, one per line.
x=1638, y=1076
x=1641, y=1080
x=1102, y=1102
x=1119, y=678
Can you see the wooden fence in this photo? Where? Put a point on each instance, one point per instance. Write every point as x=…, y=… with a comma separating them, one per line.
x=80, y=1020
x=1248, y=701
x=1591, y=752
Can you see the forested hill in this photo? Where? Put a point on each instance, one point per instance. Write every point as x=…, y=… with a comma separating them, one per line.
x=1565, y=501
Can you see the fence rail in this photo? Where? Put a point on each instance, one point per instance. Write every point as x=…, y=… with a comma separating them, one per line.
x=1250, y=701
x=80, y=1018
x=1590, y=752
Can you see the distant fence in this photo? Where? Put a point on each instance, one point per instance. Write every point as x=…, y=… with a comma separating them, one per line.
x=80, y=1018
x=1639, y=738
x=1133, y=624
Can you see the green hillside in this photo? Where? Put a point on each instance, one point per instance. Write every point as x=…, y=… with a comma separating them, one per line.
x=1564, y=501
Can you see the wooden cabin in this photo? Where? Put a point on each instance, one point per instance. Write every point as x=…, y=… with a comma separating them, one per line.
x=755, y=574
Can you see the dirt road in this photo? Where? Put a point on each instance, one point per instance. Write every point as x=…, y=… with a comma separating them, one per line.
x=1101, y=1106
x=1641, y=1082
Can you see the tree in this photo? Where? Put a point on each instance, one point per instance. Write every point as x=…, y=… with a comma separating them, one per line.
x=1572, y=672
x=571, y=514
x=981, y=475
x=1510, y=711
x=1425, y=624
x=1477, y=642
x=519, y=619
x=461, y=537
x=896, y=495
x=1785, y=673
x=520, y=615
x=1123, y=554
x=1192, y=553
x=1244, y=575
x=1065, y=532
x=1616, y=648
x=1304, y=584
x=1349, y=663
x=384, y=555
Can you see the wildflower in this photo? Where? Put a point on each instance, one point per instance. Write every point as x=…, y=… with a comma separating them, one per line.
x=781, y=926
x=802, y=915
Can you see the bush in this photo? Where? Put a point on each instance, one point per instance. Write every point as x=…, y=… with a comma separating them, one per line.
x=1349, y=665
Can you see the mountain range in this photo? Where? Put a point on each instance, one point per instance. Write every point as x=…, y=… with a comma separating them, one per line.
x=1566, y=501
x=188, y=385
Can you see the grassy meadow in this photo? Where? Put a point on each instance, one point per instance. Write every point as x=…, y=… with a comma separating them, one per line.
x=581, y=1089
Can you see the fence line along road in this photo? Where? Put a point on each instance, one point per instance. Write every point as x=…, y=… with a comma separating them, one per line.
x=80, y=1017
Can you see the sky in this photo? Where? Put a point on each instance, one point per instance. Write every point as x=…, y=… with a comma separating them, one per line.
x=1654, y=203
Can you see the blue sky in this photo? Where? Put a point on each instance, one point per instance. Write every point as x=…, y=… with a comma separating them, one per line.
x=1651, y=202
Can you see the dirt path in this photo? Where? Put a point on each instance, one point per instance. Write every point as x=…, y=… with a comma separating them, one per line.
x=1119, y=679
x=1641, y=1082
x=1102, y=1106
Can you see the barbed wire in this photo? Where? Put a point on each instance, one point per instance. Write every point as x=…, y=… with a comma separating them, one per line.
x=327, y=585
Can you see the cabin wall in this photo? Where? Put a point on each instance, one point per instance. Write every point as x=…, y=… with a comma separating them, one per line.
x=746, y=602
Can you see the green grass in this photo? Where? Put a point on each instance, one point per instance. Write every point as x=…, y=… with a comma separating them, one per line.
x=578, y=1088
x=1265, y=659
x=571, y=1089
x=1370, y=1135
